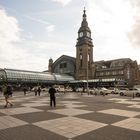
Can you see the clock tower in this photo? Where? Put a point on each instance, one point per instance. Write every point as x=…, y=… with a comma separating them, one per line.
x=84, y=52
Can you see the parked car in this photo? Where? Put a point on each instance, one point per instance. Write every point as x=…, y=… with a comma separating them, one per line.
x=113, y=90
x=45, y=89
x=103, y=91
x=97, y=91
x=34, y=88
x=69, y=89
x=59, y=88
x=79, y=89
x=130, y=92
x=122, y=91
x=93, y=91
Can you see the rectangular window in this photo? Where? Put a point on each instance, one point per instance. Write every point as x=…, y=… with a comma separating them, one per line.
x=121, y=72
x=63, y=65
x=114, y=72
x=107, y=73
x=101, y=73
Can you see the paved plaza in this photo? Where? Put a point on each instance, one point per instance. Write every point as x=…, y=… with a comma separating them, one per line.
x=76, y=117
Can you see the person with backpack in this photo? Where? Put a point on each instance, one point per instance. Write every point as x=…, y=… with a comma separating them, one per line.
x=7, y=91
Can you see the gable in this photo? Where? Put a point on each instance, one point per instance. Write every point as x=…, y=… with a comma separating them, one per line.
x=64, y=65
x=64, y=58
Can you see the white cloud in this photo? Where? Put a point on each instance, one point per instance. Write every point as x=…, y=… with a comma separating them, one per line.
x=9, y=30
x=50, y=28
x=22, y=53
x=38, y=53
x=9, y=35
x=63, y=2
x=36, y=20
x=110, y=23
x=134, y=34
x=13, y=52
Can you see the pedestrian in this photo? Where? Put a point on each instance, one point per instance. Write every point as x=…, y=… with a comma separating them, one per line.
x=39, y=90
x=25, y=90
x=35, y=90
x=52, y=92
x=7, y=91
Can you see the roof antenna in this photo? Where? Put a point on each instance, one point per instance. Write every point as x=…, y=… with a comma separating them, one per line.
x=84, y=5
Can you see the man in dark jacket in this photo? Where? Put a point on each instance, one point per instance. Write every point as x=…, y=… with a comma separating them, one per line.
x=52, y=92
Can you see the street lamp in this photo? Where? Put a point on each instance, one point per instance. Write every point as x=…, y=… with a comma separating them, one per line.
x=87, y=71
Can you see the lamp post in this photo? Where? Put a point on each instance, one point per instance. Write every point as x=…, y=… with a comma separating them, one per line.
x=87, y=72
x=5, y=77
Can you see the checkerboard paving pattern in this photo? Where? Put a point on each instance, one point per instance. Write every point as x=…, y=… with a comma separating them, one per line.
x=120, y=112
x=70, y=126
x=9, y=121
x=72, y=104
x=21, y=99
x=41, y=101
x=130, y=123
x=136, y=99
x=66, y=121
x=70, y=111
x=71, y=96
x=33, y=104
x=128, y=102
x=20, y=110
x=86, y=95
x=134, y=106
x=118, y=99
x=2, y=102
x=132, y=103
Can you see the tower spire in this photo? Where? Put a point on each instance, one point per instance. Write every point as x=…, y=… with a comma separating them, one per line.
x=84, y=9
x=84, y=14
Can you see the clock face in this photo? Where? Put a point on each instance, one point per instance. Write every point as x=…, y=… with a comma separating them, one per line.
x=88, y=34
x=81, y=34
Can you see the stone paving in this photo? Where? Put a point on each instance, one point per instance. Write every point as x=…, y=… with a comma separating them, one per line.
x=76, y=117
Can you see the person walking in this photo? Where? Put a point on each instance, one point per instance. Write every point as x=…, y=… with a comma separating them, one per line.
x=39, y=90
x=25, y=90
x=52, y=92
x=7, y=91
x=35, y=90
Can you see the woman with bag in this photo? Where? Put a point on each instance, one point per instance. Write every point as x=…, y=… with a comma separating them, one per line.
x=7, y=91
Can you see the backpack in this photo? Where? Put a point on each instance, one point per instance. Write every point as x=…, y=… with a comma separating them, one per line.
x=9, y=90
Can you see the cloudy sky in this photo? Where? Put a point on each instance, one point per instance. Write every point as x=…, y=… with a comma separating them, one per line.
x=32, y=31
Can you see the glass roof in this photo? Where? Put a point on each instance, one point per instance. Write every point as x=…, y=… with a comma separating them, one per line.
x=21, y=75
x=63, y=77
